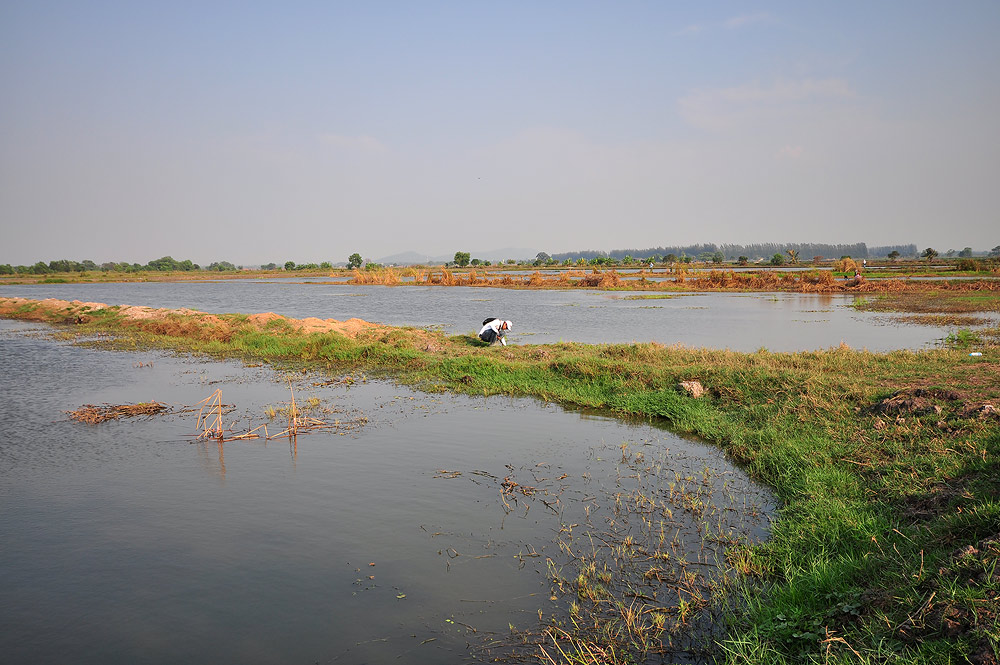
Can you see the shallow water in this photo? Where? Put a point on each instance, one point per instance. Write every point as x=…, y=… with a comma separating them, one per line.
x=737, y=321
x=389, y=541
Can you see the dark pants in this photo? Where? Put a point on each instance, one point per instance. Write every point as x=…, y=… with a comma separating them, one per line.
x=489, y=336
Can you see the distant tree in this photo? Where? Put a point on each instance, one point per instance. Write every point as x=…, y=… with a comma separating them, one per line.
x=372, y=265
x=742, y=260
x=965, y=253
x=289, y=265
x=221, y=266
x=269, y=266
x=162, y=264
x=355, y=260
x=670, y=258
x=718, y=258
x=476, y=262
x=462, y=259
x=60, y=266
x=930, y=254
x=325, y=265
x=777, y=260
x=995, y=251
x=893, y=255
x=686, y=259
x=950, y=253
x=817, y=260
x=541, y=259
x=6, y=269
x=793, y=256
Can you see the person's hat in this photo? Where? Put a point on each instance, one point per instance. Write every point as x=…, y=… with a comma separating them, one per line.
x=508, y=325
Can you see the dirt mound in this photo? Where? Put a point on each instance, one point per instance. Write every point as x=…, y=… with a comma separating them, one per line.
x=50, y=309
x=916, y=401
x=262, y=320
x=177, y=322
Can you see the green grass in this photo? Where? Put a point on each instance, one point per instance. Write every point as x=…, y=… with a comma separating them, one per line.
x=862, y=565
x=931, y=300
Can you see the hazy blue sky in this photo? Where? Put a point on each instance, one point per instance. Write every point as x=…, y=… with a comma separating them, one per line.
x=266, y=131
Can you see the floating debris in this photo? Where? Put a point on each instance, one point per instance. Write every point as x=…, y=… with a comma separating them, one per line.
x=91, y=414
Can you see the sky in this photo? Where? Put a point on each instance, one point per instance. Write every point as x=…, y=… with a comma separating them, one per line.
x=254, y=132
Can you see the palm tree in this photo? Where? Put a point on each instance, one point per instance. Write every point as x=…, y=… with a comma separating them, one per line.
x=793, y=256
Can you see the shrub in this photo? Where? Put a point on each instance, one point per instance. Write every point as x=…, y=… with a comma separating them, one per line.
x=968, y=265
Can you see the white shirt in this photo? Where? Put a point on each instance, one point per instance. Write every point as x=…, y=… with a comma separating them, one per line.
x=494, y=325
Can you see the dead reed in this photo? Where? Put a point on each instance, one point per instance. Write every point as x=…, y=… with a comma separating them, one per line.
x=211, y=424
x=382, y=276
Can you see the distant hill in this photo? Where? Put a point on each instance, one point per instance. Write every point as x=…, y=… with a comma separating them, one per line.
x=494, y=255
x=407, y=259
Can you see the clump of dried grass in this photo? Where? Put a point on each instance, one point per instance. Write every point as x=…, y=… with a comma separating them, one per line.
x=846, y=264
x=601, y=280
x=91, y=414
x=382, y=276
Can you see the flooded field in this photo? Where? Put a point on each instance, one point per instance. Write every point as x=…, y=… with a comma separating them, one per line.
x=737, y=321
x=416, y=528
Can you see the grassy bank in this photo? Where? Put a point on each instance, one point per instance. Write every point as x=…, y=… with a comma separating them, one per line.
x=887, y=545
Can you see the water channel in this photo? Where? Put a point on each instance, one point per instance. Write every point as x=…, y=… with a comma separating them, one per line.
x=737, y=321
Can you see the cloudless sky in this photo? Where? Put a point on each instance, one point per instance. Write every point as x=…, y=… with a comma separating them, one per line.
x=263, y=131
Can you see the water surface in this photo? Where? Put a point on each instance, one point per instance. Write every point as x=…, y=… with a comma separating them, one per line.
x=737, y=321
x=391, y=540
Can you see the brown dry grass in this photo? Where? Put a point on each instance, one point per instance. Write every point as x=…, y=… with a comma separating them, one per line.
x=811, y=281
x=385, y=276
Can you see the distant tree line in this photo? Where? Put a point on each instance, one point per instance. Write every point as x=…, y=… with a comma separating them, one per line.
x=732, y=252
x=65, y=265
x=164, y=264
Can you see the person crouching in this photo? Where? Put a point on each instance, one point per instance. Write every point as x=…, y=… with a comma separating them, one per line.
x=495, y=330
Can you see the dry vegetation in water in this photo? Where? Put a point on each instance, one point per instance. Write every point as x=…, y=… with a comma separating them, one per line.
x=677, y=278
x=91, y=414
